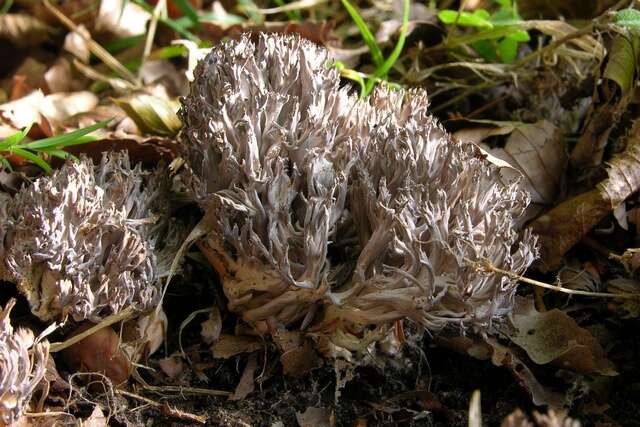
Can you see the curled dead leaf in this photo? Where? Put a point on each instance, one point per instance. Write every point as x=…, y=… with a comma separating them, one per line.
x=554, y=337
x=151, y=114
x=316, y=417
x=172, y=366
x=212, y=327
x=231, y=345
x=23, y=30
x=537, y=150
x=540, y=395
x=246, y=384
x=567, y=223
x=99, y=352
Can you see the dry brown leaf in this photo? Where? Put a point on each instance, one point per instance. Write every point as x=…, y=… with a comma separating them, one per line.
x=212, y=327
x=121, y=18
x=76, y=44
x=554, y=337
x=172, y=366
x=31, y=72
x=589, y=150
x=316, y=417
x=503, y=356
x=558, y=29
x=120, y=134
x=536, y=150
x=566, y=224
x=24, y=111
x=99, y=352
x=231, y=345
x=53, y=108
x=152, y=114
x=246, y=384
x=96, y=419
x=297, y=354
x=23, y=30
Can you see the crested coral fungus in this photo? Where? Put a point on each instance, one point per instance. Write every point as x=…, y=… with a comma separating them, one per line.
x=326, y=210
x=90, y=240
x=22, y=366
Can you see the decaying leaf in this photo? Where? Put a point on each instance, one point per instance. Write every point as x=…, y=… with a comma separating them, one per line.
x=538, y=152
x=96, y=419
x=246, y=384
x=23, y=30
x=540, y=395
x=23, y=363
x=54, y=108
x=554, y=337
x=337, y=212
x=316, y=417
x=567, y=223
x=152, y=114
x=622, y=63
x=298, y=356
x=212, y=327
x=587, y=46
x=172, y=366
x=100, y=352
x=230, y=345
x=121, y=18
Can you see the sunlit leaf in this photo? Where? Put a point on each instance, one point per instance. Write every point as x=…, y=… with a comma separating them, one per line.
x=629, y=18
x=152, y=114
x=479, y=18
x=508, y=49
x=622, y=63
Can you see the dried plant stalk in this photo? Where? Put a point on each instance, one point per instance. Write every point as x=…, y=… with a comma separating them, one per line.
x=22, y=366
x=90, y=240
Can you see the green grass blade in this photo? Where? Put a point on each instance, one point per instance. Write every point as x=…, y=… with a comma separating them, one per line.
x=33, y=158
x=6, y=6
x=369, y=39
x=67, y=139
x=123, y=43
x=384, y=68
x=15, y=138
x=5, y=163
x=188, y=11
x=61, y=154
x=171, y=23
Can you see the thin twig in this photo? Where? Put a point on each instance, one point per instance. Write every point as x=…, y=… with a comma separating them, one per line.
x=488, y=266
x=165, y=408
x=187, y=390
x=114, y=318
x=94, y=47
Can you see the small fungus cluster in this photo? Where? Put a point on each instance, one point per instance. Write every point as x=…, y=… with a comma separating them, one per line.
x=89, y=240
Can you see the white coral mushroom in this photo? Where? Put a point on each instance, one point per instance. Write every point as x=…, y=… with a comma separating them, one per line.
x=22, y=366
x=361, y=213
x=86, y=240
x=270, y=151
x=426, y=208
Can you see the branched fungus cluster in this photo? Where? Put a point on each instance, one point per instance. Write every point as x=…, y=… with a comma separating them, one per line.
x=89, y=240
x=337, y=215
x=22, y=366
